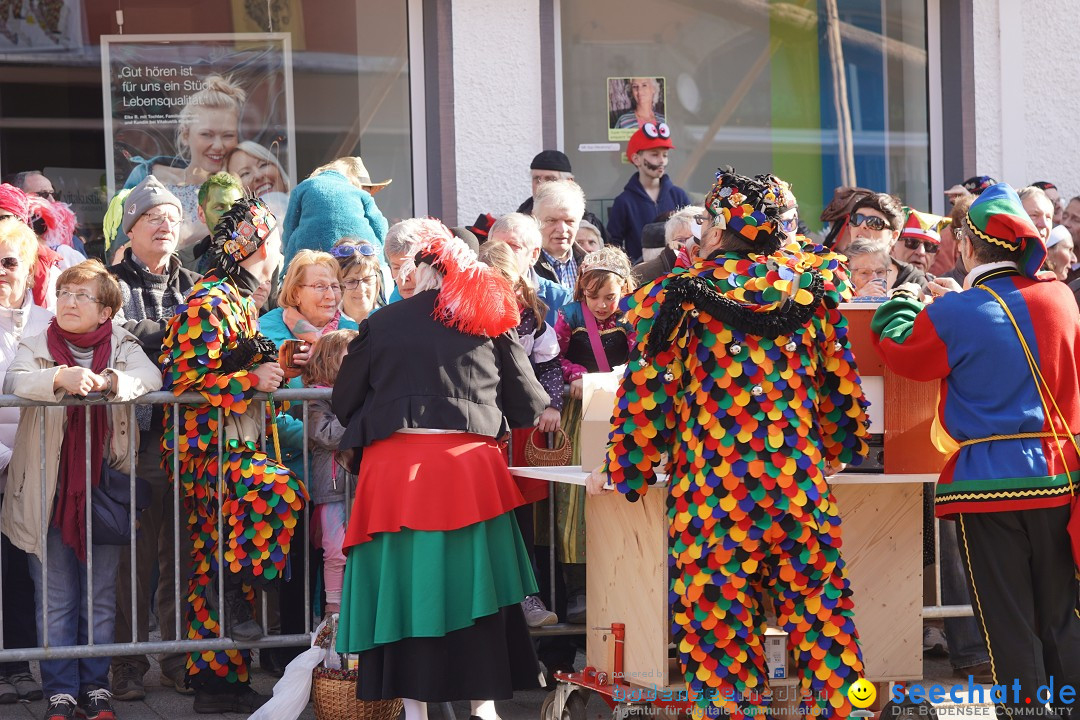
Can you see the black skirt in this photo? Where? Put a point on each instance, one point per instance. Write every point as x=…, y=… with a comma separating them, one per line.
x=489, y=660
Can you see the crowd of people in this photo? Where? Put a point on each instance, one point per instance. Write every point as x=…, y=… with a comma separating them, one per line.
x=452, y=341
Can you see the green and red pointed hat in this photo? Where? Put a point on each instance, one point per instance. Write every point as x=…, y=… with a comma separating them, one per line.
x=998, y=217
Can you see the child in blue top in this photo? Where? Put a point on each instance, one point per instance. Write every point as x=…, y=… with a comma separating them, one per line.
x=649, y=194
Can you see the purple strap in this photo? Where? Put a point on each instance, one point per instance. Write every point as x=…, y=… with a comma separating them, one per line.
x=594, y=340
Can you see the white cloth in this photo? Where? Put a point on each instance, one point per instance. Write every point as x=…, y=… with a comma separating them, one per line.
x=14, y=325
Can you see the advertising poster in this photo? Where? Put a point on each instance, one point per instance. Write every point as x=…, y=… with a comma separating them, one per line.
x=633, y=101
x=41, y=25
x=183, y=107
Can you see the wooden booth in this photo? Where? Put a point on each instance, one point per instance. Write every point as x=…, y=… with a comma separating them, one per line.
x=882, y=531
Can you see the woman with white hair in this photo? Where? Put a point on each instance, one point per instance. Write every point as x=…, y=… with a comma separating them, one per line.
x=646, y=98
x=436, y=567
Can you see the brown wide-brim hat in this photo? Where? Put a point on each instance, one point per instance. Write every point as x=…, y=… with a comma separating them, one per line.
x=364, y=178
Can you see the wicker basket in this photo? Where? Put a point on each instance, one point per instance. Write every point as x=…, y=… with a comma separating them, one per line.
x=334, y=690
x=537, y=456
x=334, y=693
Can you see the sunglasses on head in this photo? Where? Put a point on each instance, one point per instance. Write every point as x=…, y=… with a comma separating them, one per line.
x=871, y=221
x=347, y=251
x=929, y=246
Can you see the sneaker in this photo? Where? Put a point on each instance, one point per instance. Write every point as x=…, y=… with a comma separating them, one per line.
x=96, y=704
x=127, y=683
x=575, y=610
x=8, y=693
x=536, y=615
x=242, y=699
x=177, y=680
x=61, y=707
x=934, y=642
x=28, y=688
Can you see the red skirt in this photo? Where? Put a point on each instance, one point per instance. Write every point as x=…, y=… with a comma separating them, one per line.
x=439, y=481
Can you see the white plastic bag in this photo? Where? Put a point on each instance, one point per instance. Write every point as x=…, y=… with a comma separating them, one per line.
x=293, y=690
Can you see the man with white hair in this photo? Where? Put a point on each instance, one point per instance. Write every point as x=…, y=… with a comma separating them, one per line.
x=548, y=166
x=681, y=228
x=522, y=233
x=559, y=207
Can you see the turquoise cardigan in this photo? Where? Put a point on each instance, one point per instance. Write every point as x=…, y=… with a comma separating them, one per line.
x=291, y=429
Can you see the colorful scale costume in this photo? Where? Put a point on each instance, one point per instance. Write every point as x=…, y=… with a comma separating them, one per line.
x=743, y=373
x=211, y=347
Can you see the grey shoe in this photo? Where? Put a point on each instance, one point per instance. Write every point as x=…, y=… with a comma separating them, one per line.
x=8, y=693
x=127, y=683
x=28, y=688
x=177, y=680
x=536, y=614
x=575, y=610
x=240, y=624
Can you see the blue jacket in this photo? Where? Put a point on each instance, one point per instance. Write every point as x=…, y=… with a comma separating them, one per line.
x=634, y=209
x=554, y=296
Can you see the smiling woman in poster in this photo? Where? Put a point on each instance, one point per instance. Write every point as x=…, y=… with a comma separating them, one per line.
x=646, y=94
x=256, y=167
x=208, y=128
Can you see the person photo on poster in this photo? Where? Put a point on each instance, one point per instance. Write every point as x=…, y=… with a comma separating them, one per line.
x=632, y=102
x=185, y=107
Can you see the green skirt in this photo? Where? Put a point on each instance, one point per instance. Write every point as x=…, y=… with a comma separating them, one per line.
x=569, y=500
x=418, y=583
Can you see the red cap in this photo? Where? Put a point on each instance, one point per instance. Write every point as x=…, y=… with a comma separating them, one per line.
x=650, y=136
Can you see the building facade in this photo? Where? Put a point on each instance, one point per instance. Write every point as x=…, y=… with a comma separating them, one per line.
x=452, y=98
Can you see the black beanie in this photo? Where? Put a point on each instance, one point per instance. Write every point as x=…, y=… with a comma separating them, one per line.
x=551, y=160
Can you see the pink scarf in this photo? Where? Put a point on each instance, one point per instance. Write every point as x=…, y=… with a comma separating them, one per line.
x=302, y=329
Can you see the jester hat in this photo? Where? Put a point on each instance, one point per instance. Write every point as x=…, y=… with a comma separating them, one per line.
x=750, y=206
x=997, y=217
x=922, y=226
x=242, y=230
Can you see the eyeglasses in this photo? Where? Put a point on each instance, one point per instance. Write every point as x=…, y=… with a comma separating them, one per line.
x=701, y=219
x=367, y=281
x=929, y=246
x=80, y=298
x=321, y=289
x=348, y=250
x=871, y=221
x=49, y=194
x=159, y=219
x=6, y=216
x=789, y=224
x=10, y=262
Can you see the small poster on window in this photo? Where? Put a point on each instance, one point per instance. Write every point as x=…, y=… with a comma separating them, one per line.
x=632, y=102
x=184, y=107
x=42, y=25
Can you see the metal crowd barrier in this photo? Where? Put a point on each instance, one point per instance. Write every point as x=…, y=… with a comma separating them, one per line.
x=48, y=652
x=303, y=396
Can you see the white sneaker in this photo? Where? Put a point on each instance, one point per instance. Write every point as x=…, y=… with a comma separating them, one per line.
x=536, y=614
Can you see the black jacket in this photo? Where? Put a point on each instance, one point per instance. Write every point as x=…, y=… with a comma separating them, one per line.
x=151, y=300
x=546, y=270
x=646, y=272
x=408, y=370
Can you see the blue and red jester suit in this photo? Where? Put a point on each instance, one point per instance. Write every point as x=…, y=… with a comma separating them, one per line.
x=743, y=373
x=1005, y=414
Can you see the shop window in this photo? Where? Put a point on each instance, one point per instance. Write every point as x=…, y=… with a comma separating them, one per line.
x=348, y=91
x=769, y=86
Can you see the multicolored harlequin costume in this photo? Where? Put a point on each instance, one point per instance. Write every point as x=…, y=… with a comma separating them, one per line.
x=1005, y=416
x=744, y=375
x=211, y=347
